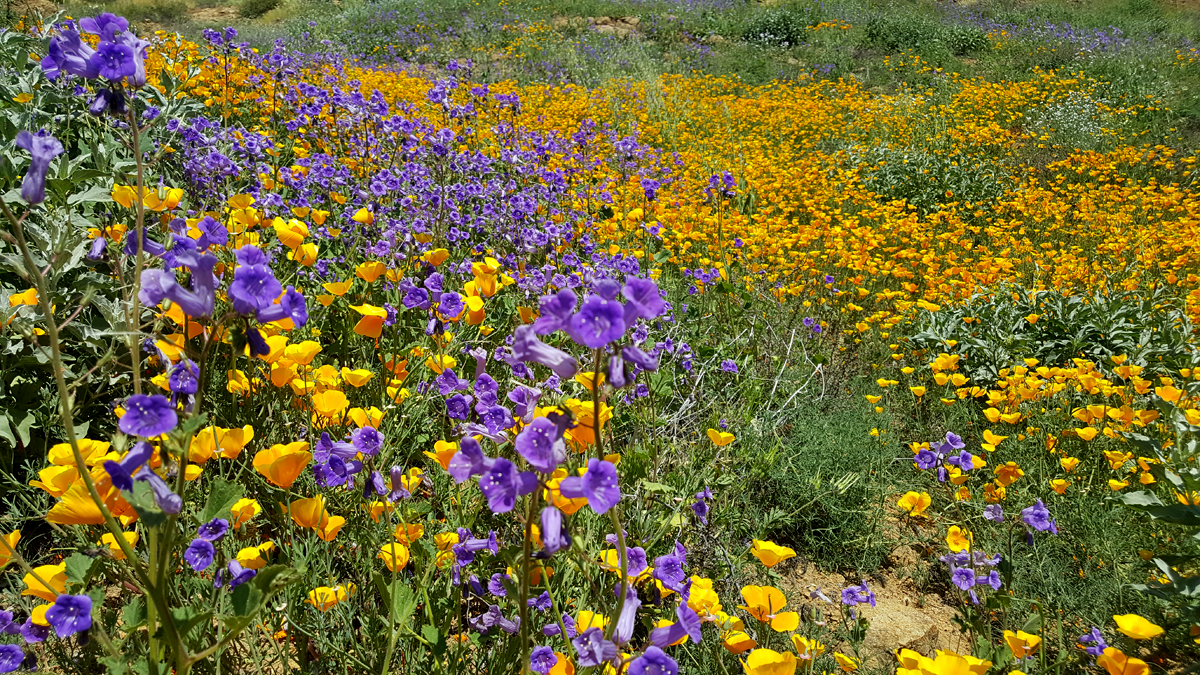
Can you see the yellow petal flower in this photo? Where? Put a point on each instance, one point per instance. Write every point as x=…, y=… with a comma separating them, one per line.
x=54, y=575
x=283, y=464
x=1137, y=627
x=770, y=553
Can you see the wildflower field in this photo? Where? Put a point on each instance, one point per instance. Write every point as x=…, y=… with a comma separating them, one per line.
x=600, y=336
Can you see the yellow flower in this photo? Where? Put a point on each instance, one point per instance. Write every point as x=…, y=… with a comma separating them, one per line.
x=330, y=403
x=371, y=323
x=1086, y=433
x=330, y=528
x=1136, y=627
x=737, y=642
x=55, y=575
x=325, y=598
x=309, y=512
x=255, y=557
x=587, y=619
x=764, y=603
x=769, y=662
x=958, y=539
x=1060, y=485
x=807, y=649
x=407, y=534
x=243, y=510
x=1068, y=463
x=1008, y=473
x=1022, y=644
x=917, y=391
x=443, y=451
x=115, y=548
x=93, y=452
x=439, y=362
x=56, y=480
x=357, y=378
x=1116, y=663
x=769, y=553
x=283, y=464
x=720, y=438
x=394, y=555
x=370, y=271
x=369, y=417
x=848, y=664
x=1117, y=485
x=915, y=503
x=8, y=545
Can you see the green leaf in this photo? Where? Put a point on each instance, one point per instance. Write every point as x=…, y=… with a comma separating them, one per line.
x=658, y=488
x=94, y=194
x=1033, y=624
x=78, y=568
x=430, y=633
x=133, y=614
x=142, y=501
x=187, y=618
x=405, y=601
x=247, y=598
x=221, y=498
x=274, y=578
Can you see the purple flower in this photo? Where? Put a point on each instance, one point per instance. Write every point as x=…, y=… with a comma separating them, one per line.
x=542, y=660
x=367, y=440
x=1094, y=641
x=1037, y=517
x=993, y=580
x=623, y=631
x=642, y=300
x=553, y=535
x=525, y=400
x=639, y=358
x=541, y=444
x=212, y=233
x=497, y=418
x=458, y=407
x=599, y=485
x=449, y=381
x=148, y=416
x=239, y=575
x=728, y=366
x=70, y=614
x=114, y=61
x=42, y=150
x=593, y=649
x=502, y=484
x=668, y=569
x=184, y=377
x=254, y=287
x=68, y=53
x=11, y=658
x=106, y=25
x=926, y=459
x=963, y=577
x=527, y=347
x=450, y=305
x=994, y=513
x=199, y=554
x=122, y=472
x=290, y=306
x=653, y=661
x=33, y=633
x=468, y=461
x=496, y=585
x=158, y=285
x=555, y=312
x=167, y=500
x=213, y=530
x=854, y=595
x=598, y=322
x=687, y=622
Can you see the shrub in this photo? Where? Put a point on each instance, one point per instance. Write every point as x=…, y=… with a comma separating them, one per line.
x=783, y=27
x=252, y=9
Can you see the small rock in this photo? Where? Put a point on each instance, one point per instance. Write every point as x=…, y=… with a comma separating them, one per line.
x=605, y=29
x=631, y=20
x=714, y=39
x=602, y=21
x=560, y=22
x=903, y=556
x=899, y=627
